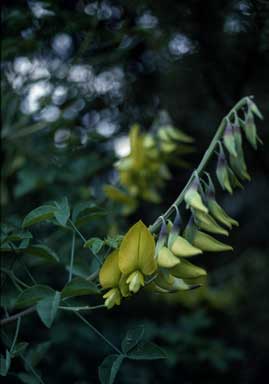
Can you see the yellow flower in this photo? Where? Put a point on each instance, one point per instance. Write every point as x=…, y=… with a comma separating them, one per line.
x=136, y=255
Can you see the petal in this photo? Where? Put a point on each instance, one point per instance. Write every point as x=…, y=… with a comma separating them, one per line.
x=137, y=250
x=110, y=273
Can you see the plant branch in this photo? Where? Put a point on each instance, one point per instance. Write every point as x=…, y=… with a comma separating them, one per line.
x=201, y=167
x=17, y=315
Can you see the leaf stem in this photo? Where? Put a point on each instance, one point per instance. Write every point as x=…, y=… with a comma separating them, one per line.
x=84, y=308
x=203, y=163
x=16, y=334
x=83, y=238
x=92, y=327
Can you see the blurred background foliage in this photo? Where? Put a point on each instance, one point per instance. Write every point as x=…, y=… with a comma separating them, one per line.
x=76, y=75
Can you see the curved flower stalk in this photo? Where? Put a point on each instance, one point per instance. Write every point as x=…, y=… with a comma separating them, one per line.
x=139, y=257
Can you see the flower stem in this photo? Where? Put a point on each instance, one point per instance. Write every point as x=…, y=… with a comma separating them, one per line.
x=203, y=163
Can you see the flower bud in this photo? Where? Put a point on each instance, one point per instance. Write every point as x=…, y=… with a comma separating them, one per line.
x=171, y=284
x=219, y=214
x=250, y=129
x=166, y=259
x=187, y=270
x=207, y=243
x=193, y=198
x=253, y=108
x=229, y=139
x=238, y=163
x=222, y=172
x=235, y=183
x=135, y=281
x=206, y=222
x=182, y=248
x=112, y=297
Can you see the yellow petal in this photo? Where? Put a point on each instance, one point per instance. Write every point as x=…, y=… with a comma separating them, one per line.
x=137, y=250
x=182, y=248
x=135, y=281
x=166, y=258
x=110, y=273
x=112, y=297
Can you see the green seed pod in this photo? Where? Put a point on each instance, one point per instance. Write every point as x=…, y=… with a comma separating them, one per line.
x=219, y=214
x=187, y=270
x=229, y=139
x=207, y=243
x=206, y=222
x=166, y=259
x=222, y=172
x=182, y=248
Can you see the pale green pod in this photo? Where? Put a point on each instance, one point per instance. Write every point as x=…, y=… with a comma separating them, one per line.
x=187, y=270
x=208, y=243
x=182, y=248
x=219, y=214
x=206, y=222
x=166, y=259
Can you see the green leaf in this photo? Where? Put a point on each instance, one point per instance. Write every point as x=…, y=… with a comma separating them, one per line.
x=132, y=338
x=147, y=351
x=32, y=295
x=36, y=354
x=114, y=242
x=62, y=212
x=5, y=363
x=95, y=244
x=79, y=287
x=42, y=252
x=109, y=368
x=42, y=213
x=84, y=212
x=47, y=308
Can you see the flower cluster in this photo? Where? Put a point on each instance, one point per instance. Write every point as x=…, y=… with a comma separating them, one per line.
x=164, y=265
x=144, y=171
